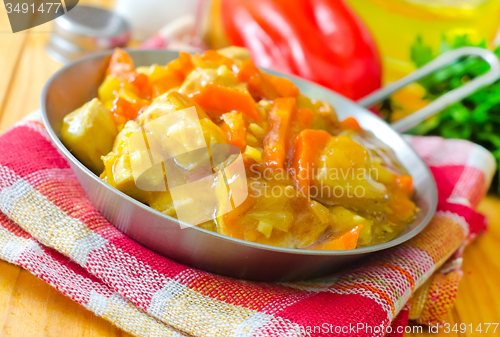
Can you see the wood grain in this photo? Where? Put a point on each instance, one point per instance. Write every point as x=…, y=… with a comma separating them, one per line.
x=11, y=46
x=30, y=307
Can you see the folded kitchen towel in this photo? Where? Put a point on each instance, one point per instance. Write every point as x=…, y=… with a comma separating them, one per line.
x=47, y=218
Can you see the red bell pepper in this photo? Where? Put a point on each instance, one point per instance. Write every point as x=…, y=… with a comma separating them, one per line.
x=320, y=40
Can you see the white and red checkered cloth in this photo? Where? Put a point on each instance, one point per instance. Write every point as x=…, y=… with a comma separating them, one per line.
x=49, y=227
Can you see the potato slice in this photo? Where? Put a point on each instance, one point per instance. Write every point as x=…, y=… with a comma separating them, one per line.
x=89, y=133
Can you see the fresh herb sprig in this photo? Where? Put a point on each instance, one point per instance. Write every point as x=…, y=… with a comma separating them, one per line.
x=476, y=118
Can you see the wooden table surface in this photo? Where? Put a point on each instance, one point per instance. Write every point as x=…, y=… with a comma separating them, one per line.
x=30, y=307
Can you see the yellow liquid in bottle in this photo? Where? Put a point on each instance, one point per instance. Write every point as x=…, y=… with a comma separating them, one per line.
x=396, y=24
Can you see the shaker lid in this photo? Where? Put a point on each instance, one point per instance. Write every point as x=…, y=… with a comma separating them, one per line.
x=84, y=30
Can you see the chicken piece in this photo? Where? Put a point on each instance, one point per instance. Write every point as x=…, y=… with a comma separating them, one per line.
x=89, y=133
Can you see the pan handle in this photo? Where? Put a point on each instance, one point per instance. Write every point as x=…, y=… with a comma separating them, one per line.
x=447, y=99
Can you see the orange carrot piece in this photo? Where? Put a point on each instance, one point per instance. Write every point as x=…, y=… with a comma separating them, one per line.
x=247, y=70
x=211, y=56
x=258, y=85
x=121, y=64
x=276, y=140
x=305, y=117
x=302, y=119
x=283, y=86
x=141, y=82
x=216, y=100
x=234, y=125
x=264, y=85
x=307, y=149
x=182, y=66
x=406, y=184
x=348, y=240
x=350, y=123
x=125, y=109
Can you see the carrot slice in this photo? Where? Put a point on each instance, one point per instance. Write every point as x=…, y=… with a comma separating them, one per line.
x=307, y=149
x=350, y=123
x=304, y=118
x=234, y=125
x=283, y=86
x=182, y=66
x=348, y=240
x=258, y=85
x=406, y=183
x=121, y=64
x=122, y=107
x=216, y=100
x=211, y=56
x=276, y=140
x=247, y=70
x=141, y=82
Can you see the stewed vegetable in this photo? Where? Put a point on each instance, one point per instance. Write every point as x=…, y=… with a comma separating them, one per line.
x=282, y=169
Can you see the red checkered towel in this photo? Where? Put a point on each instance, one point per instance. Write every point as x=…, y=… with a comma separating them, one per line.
x=47, y=219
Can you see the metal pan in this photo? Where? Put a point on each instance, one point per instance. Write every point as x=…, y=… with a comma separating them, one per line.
x=77, y=83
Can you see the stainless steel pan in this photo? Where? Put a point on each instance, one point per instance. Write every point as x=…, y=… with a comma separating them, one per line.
x=77, y=83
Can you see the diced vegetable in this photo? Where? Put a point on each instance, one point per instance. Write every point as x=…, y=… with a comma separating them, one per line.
x=276, y=140
x=257, y=130
x=350, y=123
x=182, y=66
x=234, y=125
x=348, y=240
x=342, y=219
x=212, y=59
x=265, y=228
x=89, y=133
x=235, y=53
x=111, y=87
x=344, y=177
x=258, y=84
x=121, y=64
x=141, y=82
x=406, y=183
x=303, y=119
x=163, y=79
x=321, y=212
x=283, y=86
x=253, y=153
x=125, y=108
x=308, y=147
x=216, y=100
